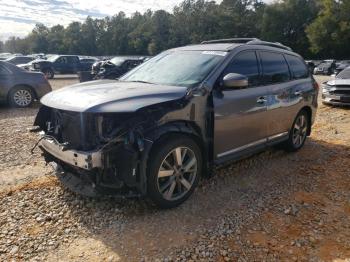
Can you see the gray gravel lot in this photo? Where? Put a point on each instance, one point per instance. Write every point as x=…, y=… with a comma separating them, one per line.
x=273, y=206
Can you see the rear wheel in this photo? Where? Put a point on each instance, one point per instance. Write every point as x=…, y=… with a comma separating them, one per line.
x=298, y=133
x=174, y=169
x=21, y=96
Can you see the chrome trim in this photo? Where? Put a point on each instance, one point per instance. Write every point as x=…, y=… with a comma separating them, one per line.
x=86, y=160
x=277, y=136
x=261, y=141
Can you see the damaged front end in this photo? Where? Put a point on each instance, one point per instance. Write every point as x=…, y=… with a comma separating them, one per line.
x=96, y=153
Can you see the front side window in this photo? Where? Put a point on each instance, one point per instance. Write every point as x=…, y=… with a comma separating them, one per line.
x=176, y=68
x=275, y=68
x=246, y=64
x=297, y=67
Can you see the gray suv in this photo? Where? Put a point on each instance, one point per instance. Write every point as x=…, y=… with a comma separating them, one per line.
x=159, y=128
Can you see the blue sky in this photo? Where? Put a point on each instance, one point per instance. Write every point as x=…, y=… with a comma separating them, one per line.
x=17, y=17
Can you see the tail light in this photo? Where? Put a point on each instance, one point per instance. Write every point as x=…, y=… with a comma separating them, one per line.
x=316, y=86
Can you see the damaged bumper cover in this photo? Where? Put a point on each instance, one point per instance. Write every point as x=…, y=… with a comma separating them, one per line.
x=84, y=160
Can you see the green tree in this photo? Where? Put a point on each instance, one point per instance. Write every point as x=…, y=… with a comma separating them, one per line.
x=286, y=22
x=72, y=39
x=329, y=34
x=38, y=39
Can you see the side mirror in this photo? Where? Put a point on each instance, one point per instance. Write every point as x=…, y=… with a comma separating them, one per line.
x=235, y=81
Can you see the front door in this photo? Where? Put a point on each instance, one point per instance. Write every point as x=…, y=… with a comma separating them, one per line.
x=240, y=114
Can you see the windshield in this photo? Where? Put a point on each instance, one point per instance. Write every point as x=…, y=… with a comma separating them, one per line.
x=52, y=58
x=118, y=60
x=178, y=68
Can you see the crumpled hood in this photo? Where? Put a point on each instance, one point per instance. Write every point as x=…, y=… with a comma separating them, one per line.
x=339, y=82
x=111, y=96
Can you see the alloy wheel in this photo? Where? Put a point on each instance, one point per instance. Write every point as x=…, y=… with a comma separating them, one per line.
x=22, y=98
x=300, y=131
x=177, y=173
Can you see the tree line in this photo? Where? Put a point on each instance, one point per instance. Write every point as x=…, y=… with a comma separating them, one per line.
x=313, y=28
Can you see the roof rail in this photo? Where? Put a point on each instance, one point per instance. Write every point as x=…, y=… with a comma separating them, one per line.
x=230, y=40
x=272, y=44
x=248, y=41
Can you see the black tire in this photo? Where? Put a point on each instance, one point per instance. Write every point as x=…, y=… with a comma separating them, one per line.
x=163, y=149
x=290, y=145
x=21, y=96
x=49, y=73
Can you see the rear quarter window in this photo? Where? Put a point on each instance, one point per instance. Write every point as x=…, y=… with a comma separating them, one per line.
x=275, y=68
x=297, y=67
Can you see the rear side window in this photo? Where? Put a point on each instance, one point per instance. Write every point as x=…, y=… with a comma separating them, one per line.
x=245, y=63
x=275, y=68
x=297, y=67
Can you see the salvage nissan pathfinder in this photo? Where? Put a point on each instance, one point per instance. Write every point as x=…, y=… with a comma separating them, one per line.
x=157, y=129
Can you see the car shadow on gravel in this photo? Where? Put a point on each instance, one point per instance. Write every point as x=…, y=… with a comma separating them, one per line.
x=12, y=112
x=237, y=194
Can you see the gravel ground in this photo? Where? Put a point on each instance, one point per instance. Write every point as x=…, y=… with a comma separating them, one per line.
x=273, y=206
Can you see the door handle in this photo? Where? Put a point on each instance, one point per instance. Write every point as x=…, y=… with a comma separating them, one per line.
x=261, y=100
x=298, y=93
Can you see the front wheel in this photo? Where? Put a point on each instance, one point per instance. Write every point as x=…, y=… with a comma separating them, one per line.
x=298, y=132
x=175, y=165
x=21, y=96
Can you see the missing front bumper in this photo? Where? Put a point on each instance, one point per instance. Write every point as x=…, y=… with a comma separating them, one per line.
x=85, y=160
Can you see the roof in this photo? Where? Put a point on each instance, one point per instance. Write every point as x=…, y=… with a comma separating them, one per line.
x=231, y=43
x=210, y=47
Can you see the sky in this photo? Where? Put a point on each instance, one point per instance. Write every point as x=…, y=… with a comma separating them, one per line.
x=18, y=17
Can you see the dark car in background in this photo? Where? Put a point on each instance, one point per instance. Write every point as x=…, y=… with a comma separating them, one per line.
x=326, y=67
x=341, y=66
x=87, y=62
x=17, y=60
x=164, y=124
x=337, y=91
x=116, y=67
x=19, y=88
x=56, y=64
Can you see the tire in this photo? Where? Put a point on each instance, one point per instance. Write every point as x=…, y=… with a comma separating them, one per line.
x=172, y=180
x=49, y=73
x=20, y=96
x=298, y=132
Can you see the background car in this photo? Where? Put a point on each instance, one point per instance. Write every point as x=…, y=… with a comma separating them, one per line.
x=4, y=56
x=341, y=66
x=87, y=62
x=117, y=66
x=327, y=67
x=19, y=88
x=16, y=60
x=56, y=64
x=337, y=91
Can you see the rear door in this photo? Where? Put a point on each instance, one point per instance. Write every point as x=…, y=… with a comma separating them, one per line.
x=301, y=86
x=277, y=78
x=240, y=114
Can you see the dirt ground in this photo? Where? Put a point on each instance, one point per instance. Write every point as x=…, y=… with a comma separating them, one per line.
x=274, y=206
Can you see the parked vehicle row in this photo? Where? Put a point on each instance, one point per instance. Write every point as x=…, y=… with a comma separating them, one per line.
x=162, y=125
